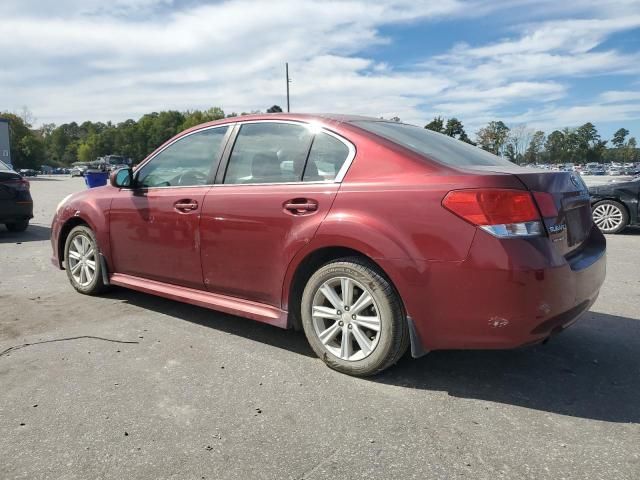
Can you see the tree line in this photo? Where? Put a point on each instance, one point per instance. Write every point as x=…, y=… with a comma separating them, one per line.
x=61, y=145
x=524, y=145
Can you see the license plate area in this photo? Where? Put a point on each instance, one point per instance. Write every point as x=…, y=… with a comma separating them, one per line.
x=578, y=225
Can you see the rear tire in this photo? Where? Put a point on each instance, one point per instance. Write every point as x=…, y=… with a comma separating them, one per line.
x=17, y=226
x=82, y=261
x=610, y=216
x=353, y=317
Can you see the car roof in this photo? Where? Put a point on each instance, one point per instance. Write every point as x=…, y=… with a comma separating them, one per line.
x=302, y=117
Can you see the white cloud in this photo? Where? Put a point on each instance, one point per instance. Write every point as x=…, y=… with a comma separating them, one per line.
x=615, y=96
x=89, y=59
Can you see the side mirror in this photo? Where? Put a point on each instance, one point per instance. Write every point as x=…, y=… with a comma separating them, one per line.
x=122, y=178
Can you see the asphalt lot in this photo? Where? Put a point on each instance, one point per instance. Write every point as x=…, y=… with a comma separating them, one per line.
x=207, y=395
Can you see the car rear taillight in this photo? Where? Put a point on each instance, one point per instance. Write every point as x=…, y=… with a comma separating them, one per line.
x=19, y=184
x=502, y=213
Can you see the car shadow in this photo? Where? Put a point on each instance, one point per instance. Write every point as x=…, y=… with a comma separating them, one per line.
x=635, y=230
x=242, y=327
x=33, y=233
x=590, y=371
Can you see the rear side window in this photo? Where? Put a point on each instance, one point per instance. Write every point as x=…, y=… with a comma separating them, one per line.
x=326, y=158
x=437, y=146
x=268, y=153
x=187, y=162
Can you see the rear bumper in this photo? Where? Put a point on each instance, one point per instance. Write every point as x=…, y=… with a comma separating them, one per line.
x=11, y=211
x=506, y=294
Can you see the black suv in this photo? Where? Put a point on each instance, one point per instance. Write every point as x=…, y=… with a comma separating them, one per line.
x=16, y=206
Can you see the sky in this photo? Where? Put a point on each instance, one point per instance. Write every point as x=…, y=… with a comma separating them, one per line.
x=547, y=64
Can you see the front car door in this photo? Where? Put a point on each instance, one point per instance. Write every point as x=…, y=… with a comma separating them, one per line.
x=278, y=185
x=154, y=226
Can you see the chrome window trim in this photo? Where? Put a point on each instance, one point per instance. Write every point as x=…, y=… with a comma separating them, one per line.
x=212, y=127
x=339, y=176
x=316, y=182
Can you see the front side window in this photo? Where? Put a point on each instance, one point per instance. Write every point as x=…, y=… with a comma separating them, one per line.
x=326, y=158
x=268, y=152
x=187, y=162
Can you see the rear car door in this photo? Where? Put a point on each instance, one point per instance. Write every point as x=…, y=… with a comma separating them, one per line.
x=154, y=226
x=278, y=185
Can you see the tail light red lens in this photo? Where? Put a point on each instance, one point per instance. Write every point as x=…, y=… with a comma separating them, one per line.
x=19, y=184
x=492, y=206
x=546, y=203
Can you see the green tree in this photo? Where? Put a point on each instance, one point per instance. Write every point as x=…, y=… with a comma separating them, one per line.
x=535, y=148
x=437, y=125
x=31, y=152
x=589, y=145
x=554, y=147
x=27, y=150
x=631, y=153
x=619, y=137
x=493, y=137
x=454, y=128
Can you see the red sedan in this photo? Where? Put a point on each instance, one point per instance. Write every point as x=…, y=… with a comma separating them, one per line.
x=370, y=235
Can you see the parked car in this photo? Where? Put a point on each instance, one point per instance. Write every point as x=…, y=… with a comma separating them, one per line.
x=614, y=171
x=368, y=242
x=28, y=172
x=615, y=205
x=595, y=169
x=16, y=206
x=78, y=171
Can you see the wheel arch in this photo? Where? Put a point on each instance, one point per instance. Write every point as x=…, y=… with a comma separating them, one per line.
x=308, y=264
x=66, y=228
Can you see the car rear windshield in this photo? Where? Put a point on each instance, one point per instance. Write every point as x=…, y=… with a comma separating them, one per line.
x=436, y=146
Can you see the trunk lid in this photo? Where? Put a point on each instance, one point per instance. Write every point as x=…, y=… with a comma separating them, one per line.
x=570, y=227
x=11, y=186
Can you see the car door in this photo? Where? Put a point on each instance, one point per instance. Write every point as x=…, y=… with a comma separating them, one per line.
x=154, y=226
x=279, y=183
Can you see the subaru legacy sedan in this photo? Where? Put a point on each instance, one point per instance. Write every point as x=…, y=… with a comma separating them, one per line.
x=371, y=236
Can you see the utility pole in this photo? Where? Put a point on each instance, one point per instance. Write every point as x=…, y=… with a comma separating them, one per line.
x=286, y=67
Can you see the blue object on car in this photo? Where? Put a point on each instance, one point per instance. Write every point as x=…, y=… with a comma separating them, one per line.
x=96, y=179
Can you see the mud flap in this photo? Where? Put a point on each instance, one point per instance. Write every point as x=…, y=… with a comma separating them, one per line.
x=417, y=350
x=105, y=274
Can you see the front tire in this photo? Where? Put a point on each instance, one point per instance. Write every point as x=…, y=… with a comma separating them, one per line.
x=20, y=226
x=353, y=317
x=610, y=216
x=82, y=259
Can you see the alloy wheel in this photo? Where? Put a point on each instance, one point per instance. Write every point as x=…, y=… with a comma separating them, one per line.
x=346, y=318
x=608, y=217
x=82, y=260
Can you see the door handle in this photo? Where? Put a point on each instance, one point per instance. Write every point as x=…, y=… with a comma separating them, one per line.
x=300, y=206
x=185, y=205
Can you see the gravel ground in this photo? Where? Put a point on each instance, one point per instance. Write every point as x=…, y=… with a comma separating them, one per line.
x=133, y=386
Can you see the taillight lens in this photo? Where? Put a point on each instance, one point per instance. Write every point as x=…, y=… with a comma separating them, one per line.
x=500, y=212
x=546, y=204
x=19, y=184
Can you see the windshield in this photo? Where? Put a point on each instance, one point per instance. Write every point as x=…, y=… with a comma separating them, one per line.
x=434, y=145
